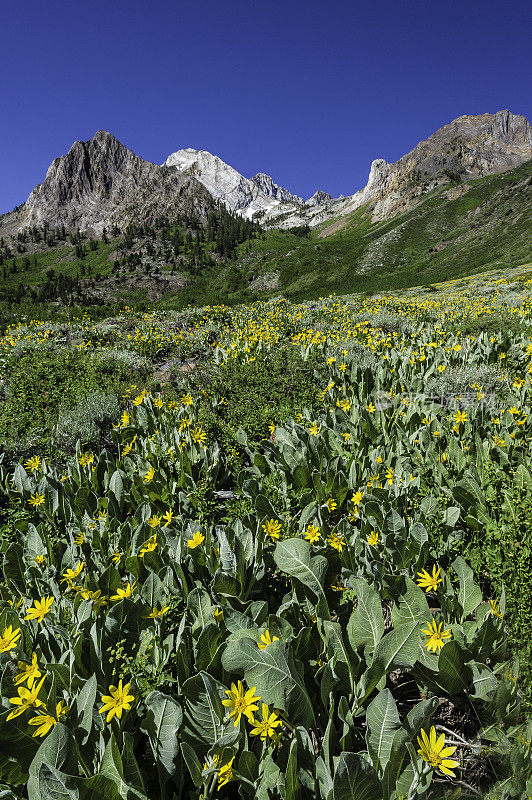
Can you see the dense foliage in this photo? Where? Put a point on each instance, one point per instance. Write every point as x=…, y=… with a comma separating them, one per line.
x=322, y=611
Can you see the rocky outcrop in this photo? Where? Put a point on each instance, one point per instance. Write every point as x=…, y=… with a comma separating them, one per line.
x=247, y=196
x=468, y=147
x=318, y=198
x=271, y=189
x=100, y=182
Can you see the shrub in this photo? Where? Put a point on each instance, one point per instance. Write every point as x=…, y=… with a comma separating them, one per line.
x=86, y=421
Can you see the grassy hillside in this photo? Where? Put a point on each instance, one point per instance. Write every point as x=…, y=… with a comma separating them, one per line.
x=454, y=231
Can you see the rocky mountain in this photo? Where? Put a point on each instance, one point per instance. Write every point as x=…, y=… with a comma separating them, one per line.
x=100, y=182
x=468, y=147
x=246, y=196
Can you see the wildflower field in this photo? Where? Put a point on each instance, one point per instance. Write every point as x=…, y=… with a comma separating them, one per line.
x=295, y=564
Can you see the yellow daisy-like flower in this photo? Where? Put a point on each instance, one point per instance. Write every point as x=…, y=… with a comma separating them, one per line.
x=187, y=400
x=494, y=608
x=139, y=399
x=312, y=533
x=226, y=773
x=218, y=614
x=314, y=429
x=79, y=539
x=39, y=560
x=196, y=540
x=36, y=499
x=28, y=672
x=9, y=639
x=122, y=593
x=168, y=516
x=266, y=727
x=336, y=542
x=149, y=546
x=272, y=529
x=357, y=497
x=331, y=504
x=429, y=582
x=71, y=574
x=266, y=640
x=128, y=447
x=116, y=557
x=124, y=419
x=41, y=608
x=157, y=613
x=432, y=750
x=436, y=636
x=117, y=701
x=25, y=700
x=33, y=464
x=98, y=600
x=46, y=721
x=85, y=459
x=241, y=702
x=149, y=475
x=373, y=538
x=154, y=521
x=198, y=435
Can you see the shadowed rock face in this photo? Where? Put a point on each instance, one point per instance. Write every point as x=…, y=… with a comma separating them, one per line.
x=100, y=182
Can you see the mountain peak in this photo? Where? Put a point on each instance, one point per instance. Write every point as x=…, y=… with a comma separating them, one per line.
x=100, y=182
x=247, y=196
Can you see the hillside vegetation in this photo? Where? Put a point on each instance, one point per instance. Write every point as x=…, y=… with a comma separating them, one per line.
x=284, y=553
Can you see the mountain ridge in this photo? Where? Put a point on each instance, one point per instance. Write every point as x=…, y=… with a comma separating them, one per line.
x=100, y=182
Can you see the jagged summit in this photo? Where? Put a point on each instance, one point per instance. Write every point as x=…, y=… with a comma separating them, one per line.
x=318, y=198
x=100, y=182
x=247, y=196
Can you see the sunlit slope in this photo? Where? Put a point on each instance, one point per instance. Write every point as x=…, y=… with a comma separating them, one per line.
x=455, y=231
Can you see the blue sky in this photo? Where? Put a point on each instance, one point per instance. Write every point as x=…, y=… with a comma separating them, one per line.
x=308, y=92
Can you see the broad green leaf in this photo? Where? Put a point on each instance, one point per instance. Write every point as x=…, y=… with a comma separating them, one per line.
x=193, y=763
x=293, y=556
x=382, y=721
x=343, y=653
x=469, y=594
x=366, y=624
x=417, y=718
x=355, y=779
x=57, y=751
x=85, y=705
x=291, y=781
x=203, y=712
x=399, y=648
x=273, y=671
x=52, y=784
x=454, y=675
x=161, y=723
x=413, y=606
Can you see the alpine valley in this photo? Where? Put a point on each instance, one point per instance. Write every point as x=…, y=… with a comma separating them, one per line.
x=105, y=226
